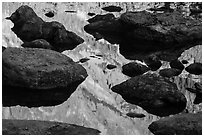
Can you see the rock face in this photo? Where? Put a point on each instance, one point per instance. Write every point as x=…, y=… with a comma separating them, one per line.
x=195, y=68
x=36, y=127
x=154, y=94
x=133, y=69
x=176, y=64
x=28, y=27
x=140, y=33
x=169, y=72
x=39, y=43
x=181, y=124
x=38, y=77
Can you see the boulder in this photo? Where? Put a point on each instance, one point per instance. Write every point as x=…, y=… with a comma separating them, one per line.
x=194, y=68
x=169, y=72
x=184, y=61
x=181, y=124
x=38, y=43
x=198, y=91
x=37, y=127
x=155, y=94
x=110, y=66
x=112, y=8
x=176, y=64
x=153, y=62
x=104, y=17
x=133, y=69
x=28, y=27
x=50, y=14
x=38, y=77
x=166, y=34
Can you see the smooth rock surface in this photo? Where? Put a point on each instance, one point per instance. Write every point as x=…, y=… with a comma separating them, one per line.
x=169, y=72
x=194, y=68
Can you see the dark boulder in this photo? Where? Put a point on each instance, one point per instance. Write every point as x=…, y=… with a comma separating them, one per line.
x=91, y=14
x=198, y=91
x=133, y=69
x=112, y=8
x=169, y=72
x=28, y=27
x=83, y=60
x=176, y=64
x=3, y=48
x=153, y=62
x=181, y=124
x=38, y=77
x=135, y=115
x=165, y=34
x=37, y=127
x=184, y=61
x=105, y=17
x=155, y=94
x=195, y=68
x=50, y=14
x=39, y=43
x=110, y=66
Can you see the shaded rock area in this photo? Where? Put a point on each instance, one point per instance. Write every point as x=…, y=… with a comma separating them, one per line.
x=169, y=72
x=198, y=91
x=153, y=62
x=38, y=77
x=142, y=33
x=195, y=68
x=112, y=8
x=110, y=66
x=133, y=69
x=153, y=93
x=176, y=64
x=181, y=124
x=28, y=27
x=39, y=43
x=36, y=127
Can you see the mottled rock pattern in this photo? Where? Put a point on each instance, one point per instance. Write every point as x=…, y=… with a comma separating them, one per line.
x=36, y=77
x=153, y=93
x=36, y=127
x=181, y=124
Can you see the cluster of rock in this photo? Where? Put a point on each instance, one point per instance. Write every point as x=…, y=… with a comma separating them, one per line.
x=37, y=75
x=32, y=29
x=141, y=34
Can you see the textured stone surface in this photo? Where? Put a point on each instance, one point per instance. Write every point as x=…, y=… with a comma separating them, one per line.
x=36, y=127
x=155, y=94
x=181, y=124
x=169, y=72
x=28, y=27
x=133, y=69
x=33, y=77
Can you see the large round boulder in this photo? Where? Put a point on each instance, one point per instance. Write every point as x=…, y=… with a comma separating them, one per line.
x=38, y=77
x=181, y=124
x=155, y=94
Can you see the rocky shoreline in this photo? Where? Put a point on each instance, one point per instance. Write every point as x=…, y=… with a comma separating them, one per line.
x=56, y=68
